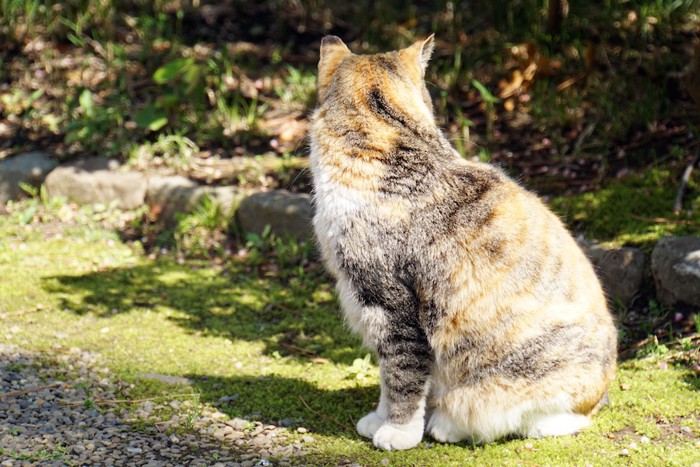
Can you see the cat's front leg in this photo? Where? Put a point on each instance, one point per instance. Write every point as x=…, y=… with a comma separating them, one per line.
x=370, y=423
x=405, y=369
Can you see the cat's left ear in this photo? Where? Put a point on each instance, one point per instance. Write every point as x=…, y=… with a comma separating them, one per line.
x=420, y=52
x=333, y=51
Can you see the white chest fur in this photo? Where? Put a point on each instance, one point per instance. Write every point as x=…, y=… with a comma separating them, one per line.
x=336, y=206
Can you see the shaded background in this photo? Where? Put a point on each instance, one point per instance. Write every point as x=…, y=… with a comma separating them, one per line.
x=566, y=96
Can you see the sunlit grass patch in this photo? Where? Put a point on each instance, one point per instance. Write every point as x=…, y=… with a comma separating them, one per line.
x=272, y=347
x=635, y=210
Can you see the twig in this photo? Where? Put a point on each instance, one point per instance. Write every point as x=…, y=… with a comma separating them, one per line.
x=693, y=337
x=630, y=350
x=22, y=312
x=28, y=391
x=294, y=348
x=581, y=138
x=330, y=419
x=663, y=220
x=570, y=82
x=678, y=202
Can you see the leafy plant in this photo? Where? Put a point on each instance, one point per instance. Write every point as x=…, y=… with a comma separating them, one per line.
x=90, y=122
x=361, y=367
x=202, y=233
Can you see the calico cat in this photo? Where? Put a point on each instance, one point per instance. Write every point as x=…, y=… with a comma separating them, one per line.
x=487, y=318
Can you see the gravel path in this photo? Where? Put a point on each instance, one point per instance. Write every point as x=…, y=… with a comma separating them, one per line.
x=53, y=412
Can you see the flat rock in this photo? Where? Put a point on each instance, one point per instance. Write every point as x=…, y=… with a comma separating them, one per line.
x=620, y=270
x=285, y=212
x=30, y=167
x=97, y=180
x=675, y=265
x=176, y=194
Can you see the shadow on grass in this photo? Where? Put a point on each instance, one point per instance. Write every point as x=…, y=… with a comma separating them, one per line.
x=289, y=402
x=297, y=317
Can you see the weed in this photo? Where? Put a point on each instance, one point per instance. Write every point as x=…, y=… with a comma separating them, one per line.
x=202, y=232
x=299, y=88
x=168, y=151
x=653, y=348
x=14, y=367
x=489, y=101
x=361, y=368
x=89, y=123
x=239, y=116
x=195, y=412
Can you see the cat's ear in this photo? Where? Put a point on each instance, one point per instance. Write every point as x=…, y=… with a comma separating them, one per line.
x=332, y=46
x=333, y=51
x=420, y=52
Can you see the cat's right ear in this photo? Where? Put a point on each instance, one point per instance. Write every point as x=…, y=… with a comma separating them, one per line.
x=333, y=51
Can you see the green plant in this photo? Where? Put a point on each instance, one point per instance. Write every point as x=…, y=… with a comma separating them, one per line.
x=16, y=13
x=290, y=256
x=299, y=89
x=239, y=116
x=195, y=412
x=39, y=206
x=461, y=141
x=653, y=348
x=489, y=101
x=361, y=367
x=202, y=232
x=90, y=122
x=169, y=151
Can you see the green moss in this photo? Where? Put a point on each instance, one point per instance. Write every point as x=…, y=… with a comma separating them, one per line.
x=635, y=210
x=277, y=345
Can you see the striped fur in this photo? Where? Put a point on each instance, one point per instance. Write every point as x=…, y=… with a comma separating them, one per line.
x=487, y=318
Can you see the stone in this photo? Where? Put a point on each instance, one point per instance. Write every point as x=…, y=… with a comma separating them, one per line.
x=97, y=180
x=174, y=194
x=30, y=168
x=675, y=265
x=285, y=212
x=620, y=270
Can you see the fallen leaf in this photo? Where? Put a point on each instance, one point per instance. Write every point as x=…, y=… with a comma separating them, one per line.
x=319, y=360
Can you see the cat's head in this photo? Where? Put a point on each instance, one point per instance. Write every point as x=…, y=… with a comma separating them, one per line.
x=400, y=73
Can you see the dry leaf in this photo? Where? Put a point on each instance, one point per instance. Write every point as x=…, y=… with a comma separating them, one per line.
x=319, y=360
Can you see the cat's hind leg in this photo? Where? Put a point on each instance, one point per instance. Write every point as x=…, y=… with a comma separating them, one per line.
x=442, y=428
x=556, y=425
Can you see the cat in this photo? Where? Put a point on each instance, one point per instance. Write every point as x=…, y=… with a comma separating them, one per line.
x=487, y=319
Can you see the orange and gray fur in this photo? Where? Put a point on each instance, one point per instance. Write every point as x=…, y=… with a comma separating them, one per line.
x=487, y=319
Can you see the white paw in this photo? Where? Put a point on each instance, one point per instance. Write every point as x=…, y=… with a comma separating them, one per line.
x=558, y=425
x=369, y=424
x=392, y=437
x=442, y=429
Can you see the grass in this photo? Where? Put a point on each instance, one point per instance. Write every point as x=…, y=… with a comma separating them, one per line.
x=272, y=340
x=635, y=210
x=167, y=88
